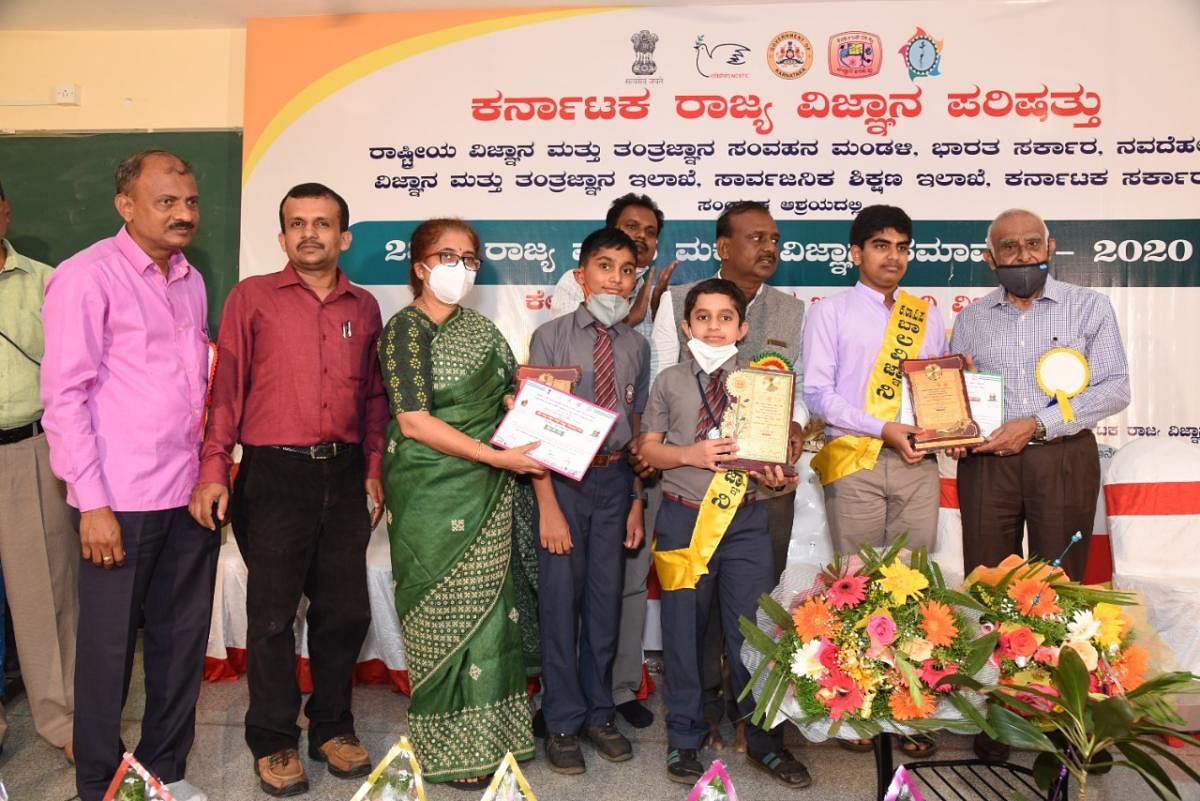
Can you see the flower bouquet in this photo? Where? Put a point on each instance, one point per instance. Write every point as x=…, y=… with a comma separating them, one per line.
x=714, y=785
x=397, y=777
x=874, y=642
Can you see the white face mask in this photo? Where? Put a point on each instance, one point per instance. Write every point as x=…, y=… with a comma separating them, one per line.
x=449, y=283
x=608, y=309
x=710, y=357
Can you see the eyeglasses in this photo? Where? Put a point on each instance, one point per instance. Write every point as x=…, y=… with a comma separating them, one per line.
x=472, y=263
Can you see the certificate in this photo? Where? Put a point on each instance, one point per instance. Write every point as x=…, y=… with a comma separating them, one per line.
x=759, y=415
x=570, y=429
x=985, y=391
x=941, y=406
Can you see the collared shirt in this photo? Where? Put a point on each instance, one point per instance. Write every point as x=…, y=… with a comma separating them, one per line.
x=673, y=410
x=22, y=286
x=1005, y=340
x=568, y=294
x=124, y=376
x=569, y=340
x=842, y=338
x=295, y=370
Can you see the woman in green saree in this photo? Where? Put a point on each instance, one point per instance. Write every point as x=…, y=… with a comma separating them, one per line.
x=450, y=499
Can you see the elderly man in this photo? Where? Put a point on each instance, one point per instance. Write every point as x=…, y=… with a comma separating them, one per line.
x=123, y=382
x=39, y=548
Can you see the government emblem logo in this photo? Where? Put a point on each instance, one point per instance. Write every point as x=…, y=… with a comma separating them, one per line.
x=855, y=54
x=790, y=55
x=643, y=49
x=922, y=55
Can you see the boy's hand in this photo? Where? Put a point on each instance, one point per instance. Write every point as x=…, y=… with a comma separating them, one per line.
x=707, y=453
x=896, y=436
x=554, y=533
x=772, y=477
x=639, y=464
x=635, y=525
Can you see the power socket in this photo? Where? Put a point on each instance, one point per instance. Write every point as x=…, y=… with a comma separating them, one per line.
x=66, y=94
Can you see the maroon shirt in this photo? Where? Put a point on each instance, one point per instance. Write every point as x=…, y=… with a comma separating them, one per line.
x=295, y=370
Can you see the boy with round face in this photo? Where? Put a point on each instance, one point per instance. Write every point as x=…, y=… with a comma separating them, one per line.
x=683, y=439
x=585, y=526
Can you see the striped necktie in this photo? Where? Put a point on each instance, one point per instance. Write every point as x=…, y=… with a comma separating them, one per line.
x=602, y=362
x=714, y=396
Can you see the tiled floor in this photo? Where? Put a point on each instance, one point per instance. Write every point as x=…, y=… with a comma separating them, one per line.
x=221, y=765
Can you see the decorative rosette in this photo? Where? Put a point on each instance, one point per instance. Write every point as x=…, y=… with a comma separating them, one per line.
x=771, y=360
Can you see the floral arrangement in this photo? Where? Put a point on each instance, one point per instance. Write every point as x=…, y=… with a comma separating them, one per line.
x=397, y=777
x=870, y=644
x=714, y=785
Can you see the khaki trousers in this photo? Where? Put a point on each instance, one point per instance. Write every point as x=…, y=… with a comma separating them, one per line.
x=874, y=507
x=39, y=553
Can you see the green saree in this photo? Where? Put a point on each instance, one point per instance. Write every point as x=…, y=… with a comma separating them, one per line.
x=450, y=522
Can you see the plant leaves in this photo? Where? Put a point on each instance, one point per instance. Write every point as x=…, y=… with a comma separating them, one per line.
x=779, y=616
x=1046, y=769
x=1112, y=719
x=1016, y=731
x=1071, y=681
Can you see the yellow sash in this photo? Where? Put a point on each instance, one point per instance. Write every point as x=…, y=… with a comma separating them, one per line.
x=902, y=340
x=681, y=568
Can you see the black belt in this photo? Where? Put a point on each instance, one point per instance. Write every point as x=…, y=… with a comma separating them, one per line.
x=320, y=451
x=1060, y=440
x=747, y=499
x=10, y=435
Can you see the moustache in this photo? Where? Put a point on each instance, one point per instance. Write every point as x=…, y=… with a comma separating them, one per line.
x=182, y=226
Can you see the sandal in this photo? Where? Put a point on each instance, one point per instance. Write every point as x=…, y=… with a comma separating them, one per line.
x=918, y=746
x=858, y=746
x=783, y=766
x=471, y=785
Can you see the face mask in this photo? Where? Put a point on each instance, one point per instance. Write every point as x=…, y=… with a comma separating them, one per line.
x=1023, y=280
x=450, y=282
x=710, y=357
x=608, y=309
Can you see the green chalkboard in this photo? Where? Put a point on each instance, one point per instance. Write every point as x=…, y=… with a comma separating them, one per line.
x=61, y=190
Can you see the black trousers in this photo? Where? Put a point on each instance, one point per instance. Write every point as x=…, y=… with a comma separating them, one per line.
x=167, y=582
x=302, y=526
x=1052, y=487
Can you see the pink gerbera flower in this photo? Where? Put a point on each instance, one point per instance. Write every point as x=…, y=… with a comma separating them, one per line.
x=840, y=694
x=847, y=592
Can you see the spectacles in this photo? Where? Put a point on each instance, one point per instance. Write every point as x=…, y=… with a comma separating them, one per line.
x=446, y=257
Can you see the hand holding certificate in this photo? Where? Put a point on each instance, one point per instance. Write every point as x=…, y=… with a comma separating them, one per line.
x=570, y=429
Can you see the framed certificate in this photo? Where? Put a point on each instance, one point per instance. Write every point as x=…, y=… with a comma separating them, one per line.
x=570, y=429
x=941, y=406
x=985, y=391
x=760, y=416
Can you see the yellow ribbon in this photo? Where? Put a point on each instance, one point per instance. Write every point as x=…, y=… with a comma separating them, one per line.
x=902, y=339
x=681, y=568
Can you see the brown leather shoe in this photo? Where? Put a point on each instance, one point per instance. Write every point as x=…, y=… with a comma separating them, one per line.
x=282, y=773
x=346, y=757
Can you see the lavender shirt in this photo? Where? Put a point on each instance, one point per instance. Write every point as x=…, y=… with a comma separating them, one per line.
x=124, y=377
x=842, y=338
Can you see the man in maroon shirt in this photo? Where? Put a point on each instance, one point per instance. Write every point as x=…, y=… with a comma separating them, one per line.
x=298, y=384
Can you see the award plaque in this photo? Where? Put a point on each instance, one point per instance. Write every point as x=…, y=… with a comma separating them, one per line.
x=563, y=379
x=760, y=416
x=941, y=407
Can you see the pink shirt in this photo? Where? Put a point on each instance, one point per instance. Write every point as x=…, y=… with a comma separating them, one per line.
x=124, y=377
x=842, y=338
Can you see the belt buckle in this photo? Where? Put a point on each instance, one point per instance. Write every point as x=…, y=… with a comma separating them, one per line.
x=323, y=450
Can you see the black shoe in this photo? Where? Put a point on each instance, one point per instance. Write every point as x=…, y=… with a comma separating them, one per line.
x=987, y=748
x=684, y=766
x=539, y=725
x=783, y=766
x=563, y=754
x=610, y=743
x=635, y=714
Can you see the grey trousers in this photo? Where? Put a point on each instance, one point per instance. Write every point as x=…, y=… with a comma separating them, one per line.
x=874, y=507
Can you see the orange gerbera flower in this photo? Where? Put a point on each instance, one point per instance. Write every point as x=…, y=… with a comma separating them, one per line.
x=1033, y=596
x=1130, y=667
x=937, y=621
x=903, y=708
x=813, y=619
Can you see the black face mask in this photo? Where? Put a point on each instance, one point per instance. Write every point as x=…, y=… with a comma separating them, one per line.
x=1023, y=280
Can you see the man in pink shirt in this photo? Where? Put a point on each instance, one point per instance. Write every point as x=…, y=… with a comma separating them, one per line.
x=123, y=383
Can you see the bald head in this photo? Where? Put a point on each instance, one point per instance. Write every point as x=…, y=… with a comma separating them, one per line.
x=1018, y=236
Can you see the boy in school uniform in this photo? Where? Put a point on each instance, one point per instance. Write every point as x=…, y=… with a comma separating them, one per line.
x=585, y=526
x=682, y=438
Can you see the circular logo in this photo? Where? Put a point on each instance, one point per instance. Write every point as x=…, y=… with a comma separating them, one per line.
x=922, y=56
x=790, y=55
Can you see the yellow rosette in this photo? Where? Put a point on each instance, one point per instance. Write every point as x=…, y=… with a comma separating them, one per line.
x=1062, y=373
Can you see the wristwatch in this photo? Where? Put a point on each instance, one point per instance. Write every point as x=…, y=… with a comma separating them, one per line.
x=1039, y=430
x=638, y=496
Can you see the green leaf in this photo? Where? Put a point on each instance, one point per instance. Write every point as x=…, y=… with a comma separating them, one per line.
x=1165, y=752
x=910, y=675
x=759, y=640
x=779, y=616
x=1071, y=680
x=1046, y=769
x=960, y=599
x=980, y=651
x=1016, y=731
x=1112, y=719
x=968, y=711
x=1166, y=792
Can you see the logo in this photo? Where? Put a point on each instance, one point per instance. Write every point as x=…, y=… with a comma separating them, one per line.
x=629, y=394
x=790, y=55
x=855, y=54
x=922, y=55
x=643, y=50
x=715, y=61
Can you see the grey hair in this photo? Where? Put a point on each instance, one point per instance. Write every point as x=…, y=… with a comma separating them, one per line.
x=1012, y=213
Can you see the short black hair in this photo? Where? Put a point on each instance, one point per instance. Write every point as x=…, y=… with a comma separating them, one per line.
x=605, y=238
x=131, y=167
x=724, y=227
x=624, y=201
x=318, y=190
x=873, y=219
x=715, y=286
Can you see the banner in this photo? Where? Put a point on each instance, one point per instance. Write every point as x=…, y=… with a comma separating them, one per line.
x=528, y=123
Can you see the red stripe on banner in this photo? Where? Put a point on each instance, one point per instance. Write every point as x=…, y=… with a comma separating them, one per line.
x=1163, y=498
x=372, y=671
x=653, y=588
x=648, y=687
x=1099, y=563
x=949, y=494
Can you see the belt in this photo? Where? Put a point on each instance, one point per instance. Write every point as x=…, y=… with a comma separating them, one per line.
x=1059, y=440
x=746, y=500
x=10, y=435
x=607, y=459
x=320, y=451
